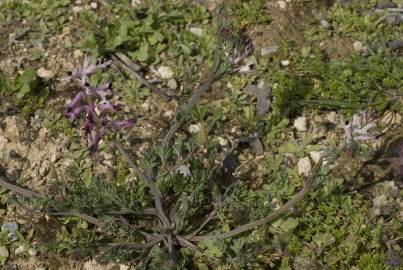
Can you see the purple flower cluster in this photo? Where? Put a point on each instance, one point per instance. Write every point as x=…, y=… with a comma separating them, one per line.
x=93, y=102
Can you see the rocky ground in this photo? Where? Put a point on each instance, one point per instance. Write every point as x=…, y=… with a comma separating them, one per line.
x=38, y=145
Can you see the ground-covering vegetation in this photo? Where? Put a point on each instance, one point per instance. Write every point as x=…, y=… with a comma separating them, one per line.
x=201, y=135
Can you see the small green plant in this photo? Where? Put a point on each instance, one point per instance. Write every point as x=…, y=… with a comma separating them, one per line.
x=27, y=90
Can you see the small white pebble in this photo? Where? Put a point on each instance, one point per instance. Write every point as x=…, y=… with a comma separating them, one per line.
x=169, y=114
x=196, y=31
x=275, y=204
x=32, y=252
x=165, y=72
x=282, y=4
x=77, y=54
x=184, y=170
x=45, y=73
x=315, y=156
x=230, y=86
x=285, y=63
x=93, y=5
x=301, y=124
x=193, y=129
x=77, y=9
x=332, y=117
x=123, y=267
x=304, y=166
x=146, y=106
x=358, y=47
x=135, y=3
x=19, y=249
x=222, y=141
x=53, y=158
x=172, y=84
x=325, y=24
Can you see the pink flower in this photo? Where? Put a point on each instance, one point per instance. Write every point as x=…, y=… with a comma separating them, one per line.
x=87, y=69
x=91, y=97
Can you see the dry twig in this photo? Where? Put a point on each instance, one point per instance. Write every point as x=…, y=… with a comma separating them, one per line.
x=133, y=69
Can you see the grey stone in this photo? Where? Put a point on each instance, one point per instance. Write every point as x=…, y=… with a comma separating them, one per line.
x=325, y=24
x=172, y=84
x=11, y=227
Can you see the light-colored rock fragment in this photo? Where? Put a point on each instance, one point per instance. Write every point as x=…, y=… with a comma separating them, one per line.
x=282, y=4
x=325, y=24
x=45, y=73
x=93, y=265
x=146, y=106
x=19, y=250
x=315, y=156
x=169, y=114
x=4, y=252
x=77, y=9
x=45, y=168
x=285, y=63
x=32, y=252
x=11, y=131
x=332, y=117
x=222, y=141
x=184, y=170
x=3, y=143
x=275, y=204
x=304, y=166
x=54, y=158
x=77, y=54
x=358, y=47
x=93, y=5
x=196, y=31
x=193, y=129
x=172, y=84
x=165, y=72
x=301, y=124
x=136, y=3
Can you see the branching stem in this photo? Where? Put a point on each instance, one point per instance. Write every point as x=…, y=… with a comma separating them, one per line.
x=150, y=184
x=271, y=217
x=25, y=192
x=133, y=69
x=189, y=106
